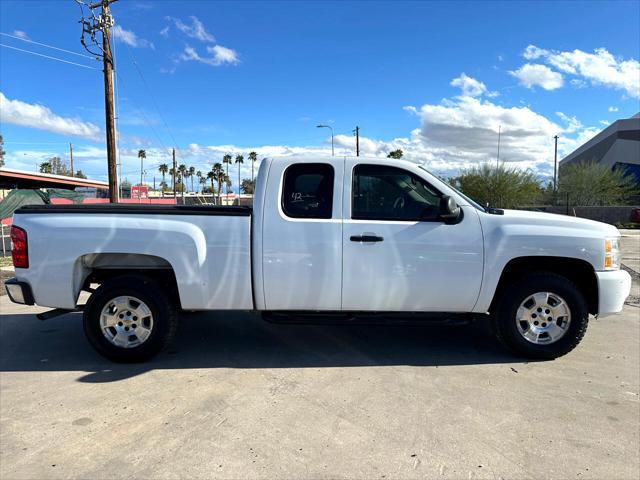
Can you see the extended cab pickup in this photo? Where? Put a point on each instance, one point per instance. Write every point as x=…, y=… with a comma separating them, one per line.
x=343, y=238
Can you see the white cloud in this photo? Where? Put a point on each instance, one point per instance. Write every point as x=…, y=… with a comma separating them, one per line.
x=613, y=109
x=195, y=30
x=470, y=86
x=20, y=34
x=165, y=32
x=573, y=124
x=38, y=116
x=578, y=83
x=130, y=38
x=599, y=67
x=217, y=55
x=532, y=75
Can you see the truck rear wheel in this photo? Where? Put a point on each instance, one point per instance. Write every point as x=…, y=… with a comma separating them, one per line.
x=129, y=319
x=542, y=316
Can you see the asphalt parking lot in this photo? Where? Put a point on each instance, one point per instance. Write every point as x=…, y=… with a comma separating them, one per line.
x=235, y=397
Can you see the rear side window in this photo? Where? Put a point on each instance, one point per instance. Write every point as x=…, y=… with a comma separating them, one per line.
x=308, y=190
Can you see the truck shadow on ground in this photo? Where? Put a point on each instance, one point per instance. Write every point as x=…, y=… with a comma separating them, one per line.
x=243, y=340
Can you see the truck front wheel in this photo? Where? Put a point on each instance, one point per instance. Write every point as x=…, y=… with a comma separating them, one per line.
x=542, y=316
x=129, y=319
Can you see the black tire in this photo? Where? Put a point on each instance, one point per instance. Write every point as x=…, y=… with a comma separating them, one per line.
x=164, y=312
x=516, y=293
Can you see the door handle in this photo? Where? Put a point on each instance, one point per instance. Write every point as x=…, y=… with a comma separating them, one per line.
x=366, y=238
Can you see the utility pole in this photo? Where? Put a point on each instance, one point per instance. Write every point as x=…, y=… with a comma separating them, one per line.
x=555, y=165
x=71, y=157
x=141, y=179
x=103, y=23
x=174, y=173
x=357, y=134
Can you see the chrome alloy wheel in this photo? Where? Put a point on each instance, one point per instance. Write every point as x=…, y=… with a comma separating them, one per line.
x=543, y=318
x=126, y=321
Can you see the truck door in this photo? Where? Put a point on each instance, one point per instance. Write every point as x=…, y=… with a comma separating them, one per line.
x=397, y=255
x=302, y=236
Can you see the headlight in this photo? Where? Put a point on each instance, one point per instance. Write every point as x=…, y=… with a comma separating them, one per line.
x=612, y=254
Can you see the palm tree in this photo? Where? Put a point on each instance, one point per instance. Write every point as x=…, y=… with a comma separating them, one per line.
x=253, y=157
x=203, y=180
x=239, y=161
x=199, y=175
x=192, y=172
x=227, y=159
x=163, y=169
x=173, y=173
x=45, y=167
x=182, y=170
x=141, y=155
x=218, y=172
x=211, y=176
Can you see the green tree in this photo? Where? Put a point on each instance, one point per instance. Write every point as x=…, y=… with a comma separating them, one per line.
x=247, y=186
x=163, y=169
x=192, y=172
x=79, y=174
x=2, y=152
x=397, y=154
x=59, y=167
x=501, y=187
x=173, y=172
x=182, y=173
x=239, y=161
x=218, y=175
x=45, y=167
x=253, y=158
x=227, y=159
x=591, y=183
x=142, y=154
x=199, y=175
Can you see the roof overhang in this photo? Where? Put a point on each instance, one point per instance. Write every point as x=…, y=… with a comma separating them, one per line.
x=12, y=178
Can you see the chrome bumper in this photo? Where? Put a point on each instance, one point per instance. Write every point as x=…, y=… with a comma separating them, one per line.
x=613, y=289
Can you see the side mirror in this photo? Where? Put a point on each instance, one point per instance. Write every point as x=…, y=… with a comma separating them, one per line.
x=449, y=210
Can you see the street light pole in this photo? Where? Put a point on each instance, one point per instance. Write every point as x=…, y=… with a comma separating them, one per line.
x=331, y=128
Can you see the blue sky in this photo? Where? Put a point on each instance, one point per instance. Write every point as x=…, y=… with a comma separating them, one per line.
x=220, y=77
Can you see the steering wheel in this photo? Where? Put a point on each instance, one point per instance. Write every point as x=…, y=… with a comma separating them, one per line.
x=398, y=203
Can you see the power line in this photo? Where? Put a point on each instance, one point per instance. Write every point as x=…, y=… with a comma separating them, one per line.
x=47, y=56
x=155, y=104
x=46, y=45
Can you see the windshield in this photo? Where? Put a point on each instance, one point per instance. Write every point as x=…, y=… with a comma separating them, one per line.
x=471, y=202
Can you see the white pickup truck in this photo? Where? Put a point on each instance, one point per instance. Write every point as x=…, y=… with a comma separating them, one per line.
x=345, y=239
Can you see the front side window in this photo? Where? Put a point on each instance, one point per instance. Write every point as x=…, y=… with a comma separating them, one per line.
x=381, y=192
x=308, y=190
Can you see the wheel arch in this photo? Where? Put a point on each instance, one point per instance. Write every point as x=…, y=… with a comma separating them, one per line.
x=100, y=267
x=580, y=272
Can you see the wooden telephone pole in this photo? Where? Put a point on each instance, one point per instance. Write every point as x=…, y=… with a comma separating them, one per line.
x=103, y=23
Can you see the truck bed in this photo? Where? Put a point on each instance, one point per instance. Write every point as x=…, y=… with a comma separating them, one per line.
x=242, y=211
x=208, y=248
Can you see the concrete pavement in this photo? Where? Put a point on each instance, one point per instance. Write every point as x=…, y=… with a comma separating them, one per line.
x=238, y=398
